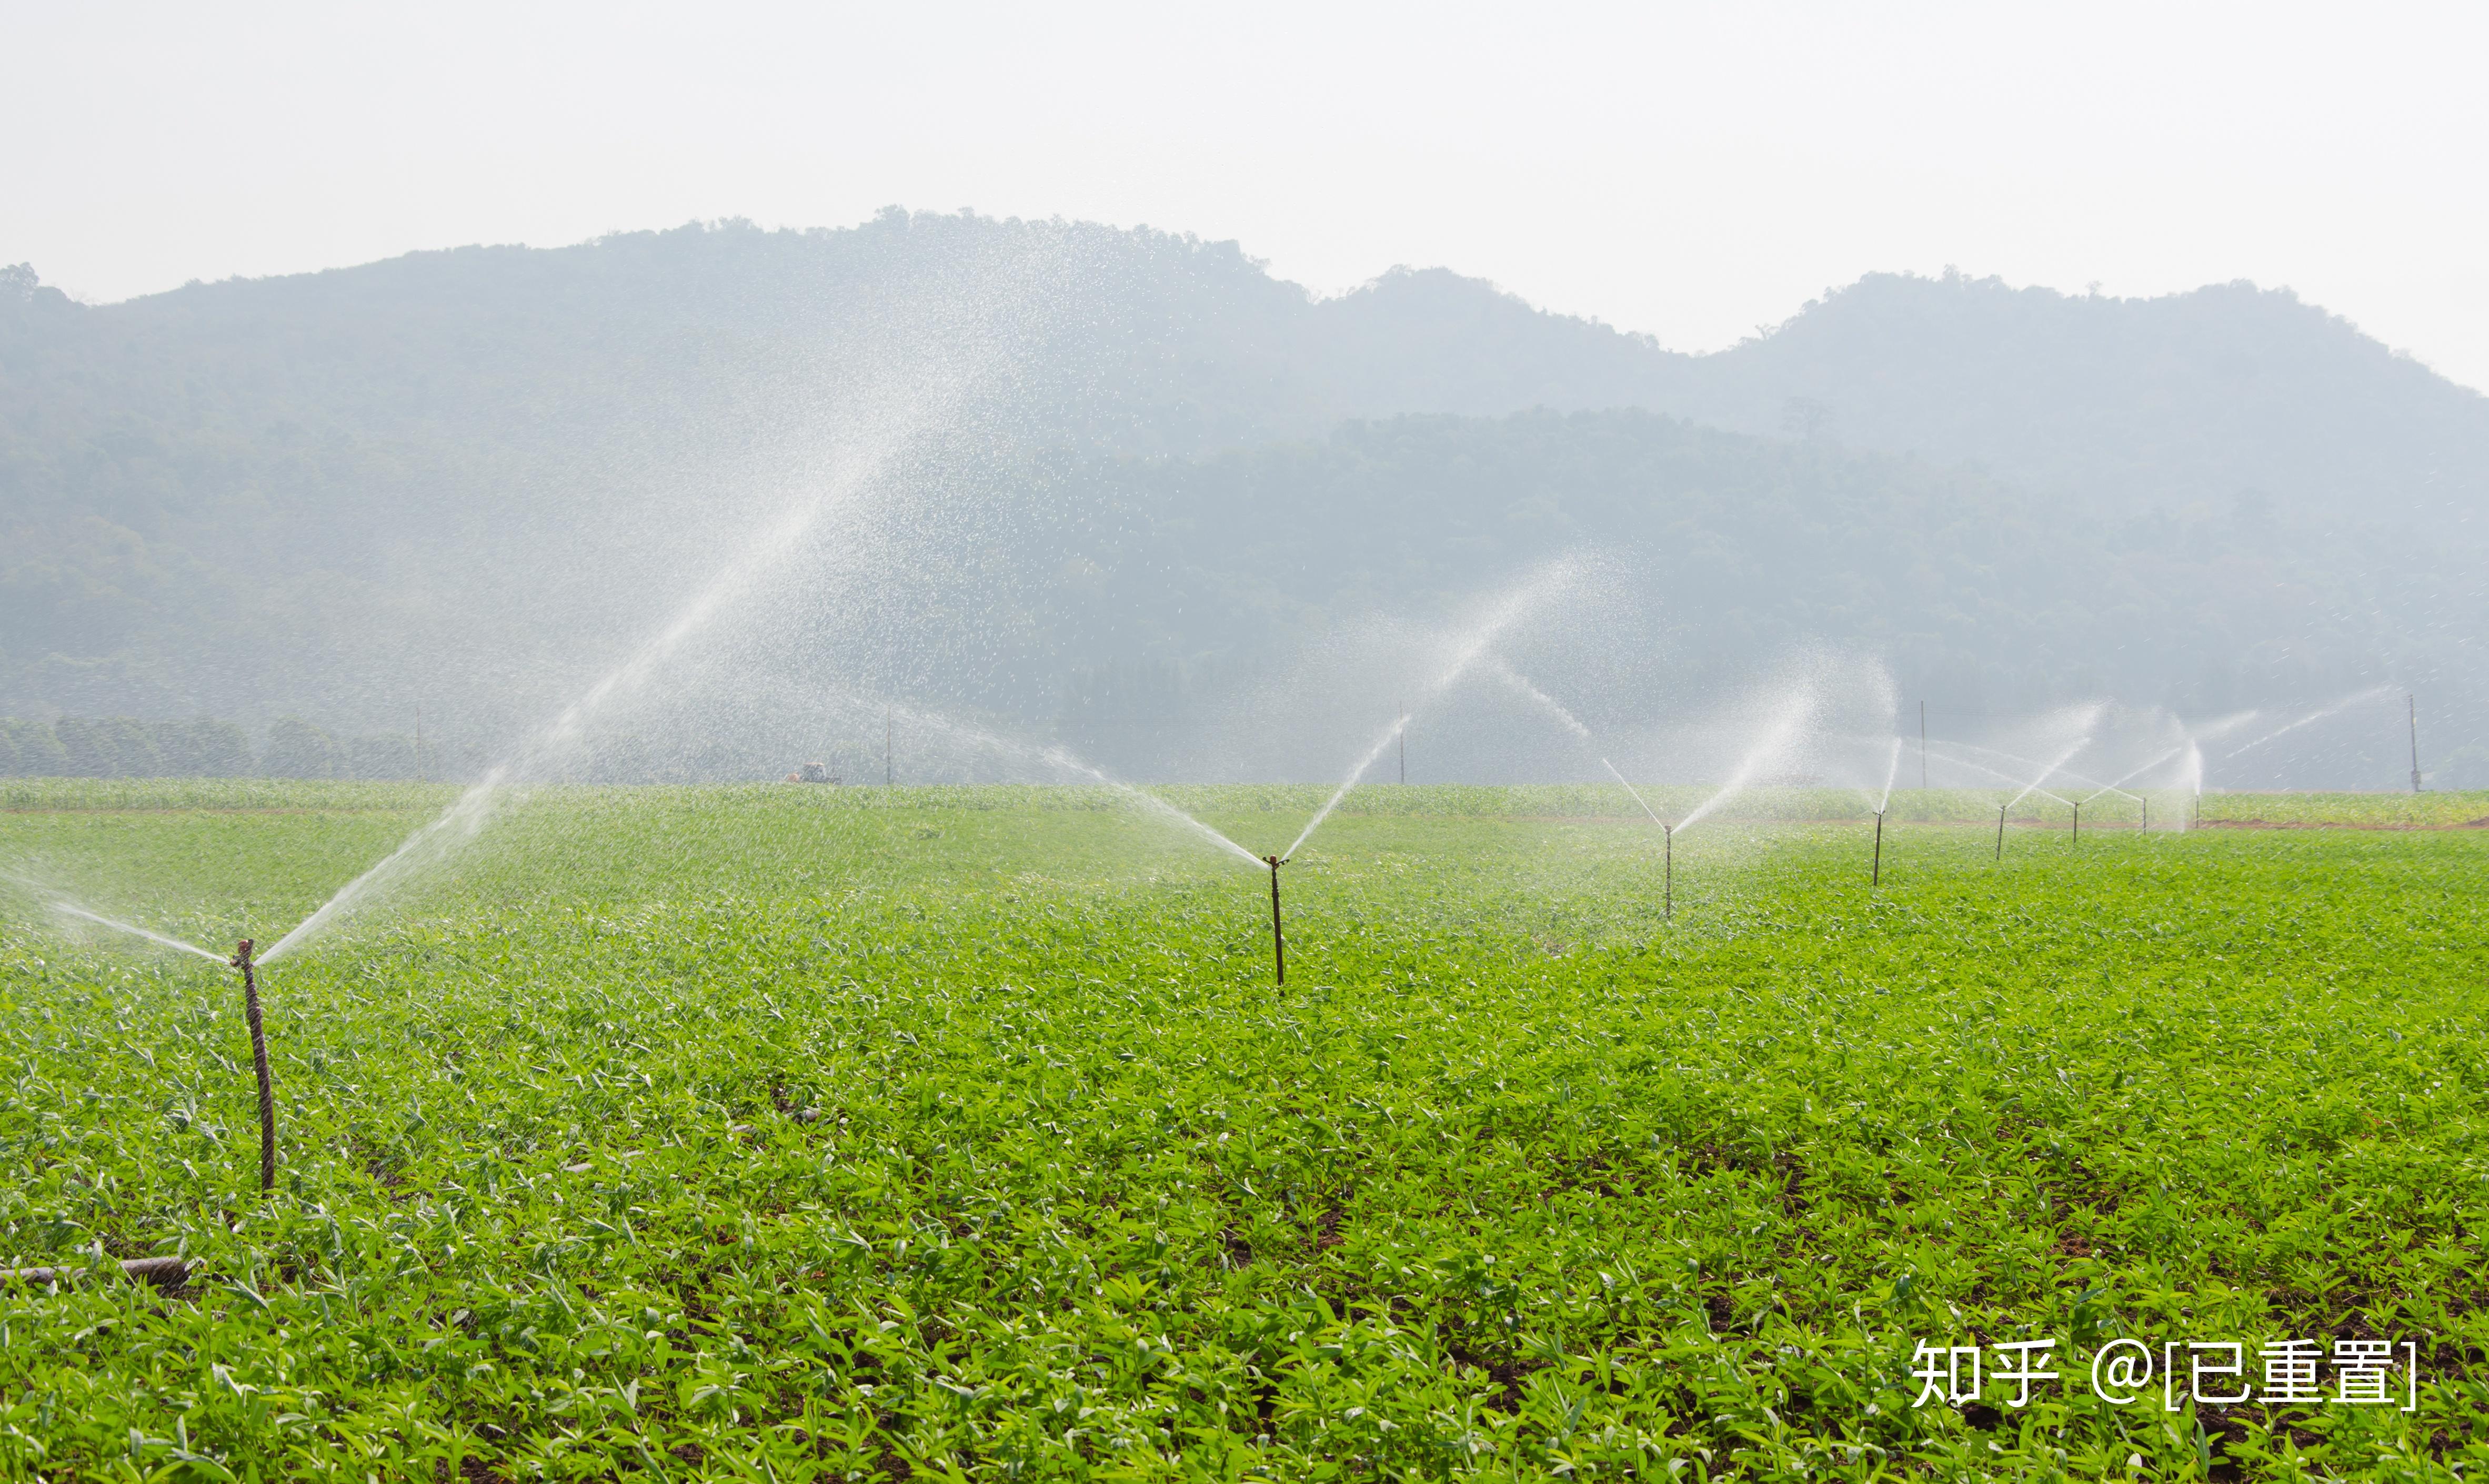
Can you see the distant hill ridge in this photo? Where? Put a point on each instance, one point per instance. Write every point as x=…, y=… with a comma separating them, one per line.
x=1183, y=346
x=460, y=468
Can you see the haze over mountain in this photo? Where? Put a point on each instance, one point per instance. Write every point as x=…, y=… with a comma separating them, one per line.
x=471, y=476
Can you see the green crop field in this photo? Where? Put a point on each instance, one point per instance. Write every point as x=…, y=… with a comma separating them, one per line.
x=806, y=1133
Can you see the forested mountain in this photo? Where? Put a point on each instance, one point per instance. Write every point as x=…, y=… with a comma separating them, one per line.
x=1056, y=450
x=1715, y=554
x=2226, y=393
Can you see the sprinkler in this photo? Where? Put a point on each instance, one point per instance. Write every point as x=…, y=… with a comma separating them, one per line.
x=2413, y=702
x=2146, y=825
x=1278, y=941
x=2000, y=829
x=1668, y=872
x=1877, y=879
x=259, y=1064
x=2078, y=823
x=1667, y=845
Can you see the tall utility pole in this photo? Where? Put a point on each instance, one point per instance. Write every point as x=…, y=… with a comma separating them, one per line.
x=2413, y=702
x=1923, y=746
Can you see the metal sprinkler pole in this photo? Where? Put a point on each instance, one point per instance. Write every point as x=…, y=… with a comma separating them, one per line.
x=2146, y=825
x=259, y=1064
x=1279, y=940
x=2078, y=823
x=1877, y=879
x=2413, y=701
x=1668, y=872
x=2000, y=829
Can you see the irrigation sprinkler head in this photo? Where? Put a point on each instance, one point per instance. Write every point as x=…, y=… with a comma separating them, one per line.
x=242, y=955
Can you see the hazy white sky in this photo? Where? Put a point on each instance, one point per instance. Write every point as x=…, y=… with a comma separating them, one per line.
x=1689, y=170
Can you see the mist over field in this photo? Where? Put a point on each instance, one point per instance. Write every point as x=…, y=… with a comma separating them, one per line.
x=1130, y=492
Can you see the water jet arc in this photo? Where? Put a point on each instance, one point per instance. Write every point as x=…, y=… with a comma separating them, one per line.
x=72, y=909
x=1483, y=635
x=1667, y=847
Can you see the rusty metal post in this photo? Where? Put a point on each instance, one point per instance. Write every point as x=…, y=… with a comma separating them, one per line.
x=1878, y=879
x=2000, y=829
x=2078, y=823
x=1668, y=872
x=1279, y=940
x=259, y=1065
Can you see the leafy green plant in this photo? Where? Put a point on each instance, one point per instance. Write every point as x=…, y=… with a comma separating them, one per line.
x=814, y=1133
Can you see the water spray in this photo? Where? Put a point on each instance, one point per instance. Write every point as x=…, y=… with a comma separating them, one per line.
x=1875, y=873
x=1515, y=603
x=1667, y=847
x=1278, y=939
x=164, y=940
x=259, y=1065
x=241, y=960
x=2372, y=693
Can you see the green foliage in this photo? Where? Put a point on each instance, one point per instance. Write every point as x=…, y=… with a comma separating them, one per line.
x=811, y=1132
x=31, y=750
x=114, y=747
x=2437, y=809
x=1740, y=552
x=125, y=748
x=297, y=749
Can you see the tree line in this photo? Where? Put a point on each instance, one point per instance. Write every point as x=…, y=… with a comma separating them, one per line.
x=204, y=747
